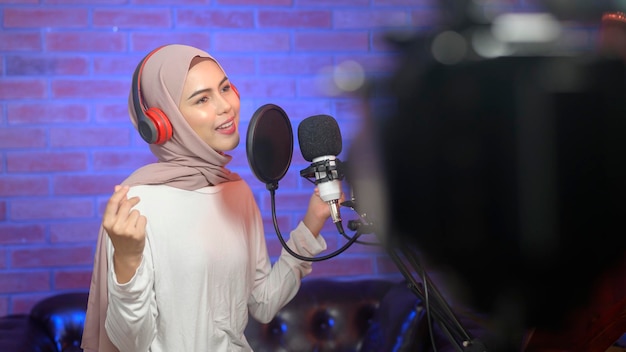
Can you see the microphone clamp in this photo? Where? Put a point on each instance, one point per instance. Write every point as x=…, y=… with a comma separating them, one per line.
x=331, y=169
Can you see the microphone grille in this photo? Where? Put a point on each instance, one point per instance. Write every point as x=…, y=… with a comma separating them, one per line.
x=319, y=135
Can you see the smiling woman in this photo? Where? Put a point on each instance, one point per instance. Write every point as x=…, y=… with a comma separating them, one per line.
x=181, y=260
x=210, y=105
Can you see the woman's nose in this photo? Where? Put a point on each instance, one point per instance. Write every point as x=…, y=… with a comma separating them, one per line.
x=222, y=105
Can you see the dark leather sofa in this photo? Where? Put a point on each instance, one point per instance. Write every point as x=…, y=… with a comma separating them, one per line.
x=326, y=315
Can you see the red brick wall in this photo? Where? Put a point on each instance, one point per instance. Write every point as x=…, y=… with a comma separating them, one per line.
x=65, y=138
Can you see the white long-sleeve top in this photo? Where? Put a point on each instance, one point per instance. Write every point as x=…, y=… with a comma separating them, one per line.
x=205, y=266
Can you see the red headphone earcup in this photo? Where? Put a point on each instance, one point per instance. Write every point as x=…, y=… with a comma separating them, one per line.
x=162, y=125
x=232, y=86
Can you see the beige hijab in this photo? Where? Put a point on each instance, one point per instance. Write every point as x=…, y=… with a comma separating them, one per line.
x=184, y=162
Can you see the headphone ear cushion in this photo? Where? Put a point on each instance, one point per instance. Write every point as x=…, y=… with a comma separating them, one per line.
x=156, y=128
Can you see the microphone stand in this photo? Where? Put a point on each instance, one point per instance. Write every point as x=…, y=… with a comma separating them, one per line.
x=406, y=260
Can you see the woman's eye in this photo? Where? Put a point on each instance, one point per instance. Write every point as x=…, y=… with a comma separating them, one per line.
x=203, y=100
x=226, y=88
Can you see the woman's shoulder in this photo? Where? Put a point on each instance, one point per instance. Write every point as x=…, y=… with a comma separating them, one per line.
x=239, y=186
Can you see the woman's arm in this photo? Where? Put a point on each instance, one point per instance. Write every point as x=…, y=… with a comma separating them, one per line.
x=276, y=286
x=132, y=311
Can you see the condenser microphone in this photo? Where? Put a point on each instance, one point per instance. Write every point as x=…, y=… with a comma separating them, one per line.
x=320, y=143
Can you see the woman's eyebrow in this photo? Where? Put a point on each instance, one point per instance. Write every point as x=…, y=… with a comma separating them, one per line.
x=206, y=90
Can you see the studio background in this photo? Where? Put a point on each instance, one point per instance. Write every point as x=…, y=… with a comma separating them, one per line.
x=65, y=135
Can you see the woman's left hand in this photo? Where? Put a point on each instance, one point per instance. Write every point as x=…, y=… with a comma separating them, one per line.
x=317, y=213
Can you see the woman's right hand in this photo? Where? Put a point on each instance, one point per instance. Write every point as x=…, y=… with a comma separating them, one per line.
x=126, y=228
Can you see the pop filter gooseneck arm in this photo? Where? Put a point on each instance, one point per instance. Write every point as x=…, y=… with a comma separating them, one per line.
x=269, y=148
x=308, y=259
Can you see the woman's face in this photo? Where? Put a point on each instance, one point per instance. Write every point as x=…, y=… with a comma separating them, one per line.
x=210, y=106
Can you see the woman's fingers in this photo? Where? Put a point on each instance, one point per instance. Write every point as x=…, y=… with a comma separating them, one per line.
x=133, y=222
x=114, y=202
x=142, y=221
x=125, y=206
x=119, y=219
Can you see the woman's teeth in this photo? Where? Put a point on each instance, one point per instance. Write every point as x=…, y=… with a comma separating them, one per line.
x=225, y=126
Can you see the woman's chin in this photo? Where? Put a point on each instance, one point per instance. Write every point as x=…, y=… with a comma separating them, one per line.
x=230, y=144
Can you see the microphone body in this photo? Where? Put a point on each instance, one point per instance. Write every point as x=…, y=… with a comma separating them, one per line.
x=329, y=185
x=320, y=143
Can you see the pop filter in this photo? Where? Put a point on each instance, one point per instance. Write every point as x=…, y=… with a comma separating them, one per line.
x=269, y=143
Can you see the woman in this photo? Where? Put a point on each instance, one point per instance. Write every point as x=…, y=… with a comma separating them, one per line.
x=182, y=258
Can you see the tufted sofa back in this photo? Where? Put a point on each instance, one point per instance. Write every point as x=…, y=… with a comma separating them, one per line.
x=327, y=314
x=336, y=315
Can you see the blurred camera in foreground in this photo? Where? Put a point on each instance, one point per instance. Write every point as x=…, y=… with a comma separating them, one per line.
x=507, y=173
